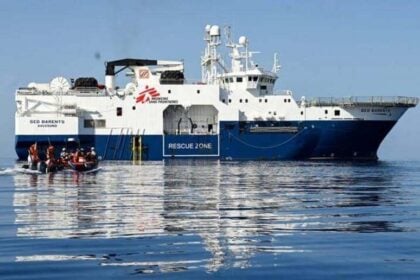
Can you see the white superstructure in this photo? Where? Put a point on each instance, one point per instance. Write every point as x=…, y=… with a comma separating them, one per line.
x=233, y=113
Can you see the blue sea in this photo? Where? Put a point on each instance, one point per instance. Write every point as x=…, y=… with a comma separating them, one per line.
x=212, y=220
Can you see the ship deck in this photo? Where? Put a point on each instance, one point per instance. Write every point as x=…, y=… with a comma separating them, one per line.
x=362, y=101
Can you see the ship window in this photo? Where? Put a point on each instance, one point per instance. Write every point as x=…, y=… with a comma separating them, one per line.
x=230, y=100
x=264, y=87
x=239, y=79
x=231, y=80
x=255, y=78
x=169, y=91
x=134, y=107
x=223, y=100
x=249, y=78
x=119, y=111
x=289, y=100
x=226, y=80
x=336, y=112
x=301, y=112
x=94, y=123
x=260, y=100
x=240, y=100
x=198, y=91
x=326, y=112
x=285, y=100
x=246, y=100
x=265, y=100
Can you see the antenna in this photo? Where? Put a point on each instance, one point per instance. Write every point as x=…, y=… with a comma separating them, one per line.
x=228, y=35
x=276, y=64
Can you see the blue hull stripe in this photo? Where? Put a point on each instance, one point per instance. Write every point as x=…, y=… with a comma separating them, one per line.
x=237, y=141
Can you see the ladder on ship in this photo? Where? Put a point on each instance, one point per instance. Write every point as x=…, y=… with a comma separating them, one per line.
x=136, y=143
x=116, y=144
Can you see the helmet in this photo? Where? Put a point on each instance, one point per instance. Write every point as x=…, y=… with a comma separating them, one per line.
x=63, y=149
x=93, y=148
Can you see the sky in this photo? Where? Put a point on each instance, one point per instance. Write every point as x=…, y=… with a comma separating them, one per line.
x=326, y=48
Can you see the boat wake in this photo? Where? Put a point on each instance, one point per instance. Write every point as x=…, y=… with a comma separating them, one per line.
x=20, y=170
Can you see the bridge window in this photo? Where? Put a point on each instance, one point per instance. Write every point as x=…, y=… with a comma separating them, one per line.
x=249, y=78
x=94, y=123
x=263, y=87
x=255, y=78
x=326, y=112
x=239, y=79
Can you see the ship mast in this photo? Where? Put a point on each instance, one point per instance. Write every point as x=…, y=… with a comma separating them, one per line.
x=211, y=58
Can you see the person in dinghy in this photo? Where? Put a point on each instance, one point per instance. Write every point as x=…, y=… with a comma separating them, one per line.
x=34, y=160
x=83, y=162
x=33, y=156
x=52, y=164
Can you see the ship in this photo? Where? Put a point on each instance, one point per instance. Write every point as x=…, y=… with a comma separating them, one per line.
x=232, y=113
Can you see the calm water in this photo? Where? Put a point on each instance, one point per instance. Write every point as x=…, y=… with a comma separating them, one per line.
x=210, y=219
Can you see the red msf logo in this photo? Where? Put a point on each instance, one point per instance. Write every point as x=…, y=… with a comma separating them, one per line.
x=147, y=95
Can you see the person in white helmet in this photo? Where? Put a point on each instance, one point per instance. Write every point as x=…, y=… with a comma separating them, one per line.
x=91, y=155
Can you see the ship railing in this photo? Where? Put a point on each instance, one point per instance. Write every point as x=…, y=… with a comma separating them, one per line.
x=77, y=91
x=31, y=91
x=372, y=101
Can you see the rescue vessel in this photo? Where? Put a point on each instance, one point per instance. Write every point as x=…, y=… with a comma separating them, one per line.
x=233, y=113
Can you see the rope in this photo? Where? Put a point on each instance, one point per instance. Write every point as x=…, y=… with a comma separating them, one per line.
x=267, y=147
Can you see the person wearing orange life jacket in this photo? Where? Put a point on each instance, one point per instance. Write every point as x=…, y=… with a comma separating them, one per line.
x=50, y=152
x=50, y=156
x=76, y=156
x=33, y=157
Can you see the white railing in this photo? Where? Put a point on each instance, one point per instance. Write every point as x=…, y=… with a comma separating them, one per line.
x=388, y=101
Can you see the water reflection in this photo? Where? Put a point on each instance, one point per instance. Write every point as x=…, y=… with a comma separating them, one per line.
x=237, y=209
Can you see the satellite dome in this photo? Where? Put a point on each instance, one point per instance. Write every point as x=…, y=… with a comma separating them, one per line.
x=215, y=30
x=243, y=40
